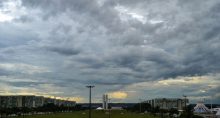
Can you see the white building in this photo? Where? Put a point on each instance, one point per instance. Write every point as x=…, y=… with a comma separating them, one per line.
x=218, y=114
x=201, y=108
x=168, y=103
x=105, y=101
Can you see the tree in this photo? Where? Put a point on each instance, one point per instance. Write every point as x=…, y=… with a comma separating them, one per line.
x=144, y=107
x=173, y=111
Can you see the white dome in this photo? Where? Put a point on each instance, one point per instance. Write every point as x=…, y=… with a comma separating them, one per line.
x=218, y=113
x=201, y=108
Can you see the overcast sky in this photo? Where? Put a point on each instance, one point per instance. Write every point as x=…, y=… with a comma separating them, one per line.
x=130, y=49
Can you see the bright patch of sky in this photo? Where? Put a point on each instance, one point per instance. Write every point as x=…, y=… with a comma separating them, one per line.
x=11, y=10
x=101, y=2
x=5, y=17
x=127, y=14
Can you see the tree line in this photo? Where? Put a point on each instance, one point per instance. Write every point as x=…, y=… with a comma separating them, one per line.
x=47, y=108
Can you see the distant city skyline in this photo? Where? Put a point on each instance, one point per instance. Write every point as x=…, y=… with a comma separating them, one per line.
x=128, y=49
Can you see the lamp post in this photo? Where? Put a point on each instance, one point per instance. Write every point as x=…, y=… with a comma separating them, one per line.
x=23, y=102
x=140, y=104
x=185, y=100
x=90, y=101
x=211, y=107
x=0, y=108
x=211, y=103
x=68, y=104
x=210, y=87
x=109, y=114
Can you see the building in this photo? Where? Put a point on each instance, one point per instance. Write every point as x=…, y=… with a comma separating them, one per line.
x=28, y=101
x=69, y=103
x=201, y=108
x=50, y=101
x=39, y=101
x=10, y=101
x=31, y=101
x=19, y=101
x=105, y=101
x=168, y=103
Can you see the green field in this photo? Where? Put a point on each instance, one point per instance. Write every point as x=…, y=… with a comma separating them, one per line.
x=95, y=114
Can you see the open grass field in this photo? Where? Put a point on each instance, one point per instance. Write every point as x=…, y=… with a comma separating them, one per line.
x=95, y=114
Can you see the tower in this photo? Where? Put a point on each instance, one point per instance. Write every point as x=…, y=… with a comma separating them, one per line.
x=105, y=101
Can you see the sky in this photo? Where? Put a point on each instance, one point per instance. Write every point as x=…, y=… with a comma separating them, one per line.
x=130, y=49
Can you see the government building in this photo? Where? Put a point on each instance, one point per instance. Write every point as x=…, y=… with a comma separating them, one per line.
x=31, y=101
x=168, y=103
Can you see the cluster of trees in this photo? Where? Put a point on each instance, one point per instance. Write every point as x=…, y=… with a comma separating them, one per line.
x=188, y=113
x=140, y=107
x=145, y=107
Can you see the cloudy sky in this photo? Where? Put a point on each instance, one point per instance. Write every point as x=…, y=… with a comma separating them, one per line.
x=130, y=49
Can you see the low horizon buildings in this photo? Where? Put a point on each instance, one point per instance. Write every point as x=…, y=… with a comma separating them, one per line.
x=168, y=103
x=31, y=101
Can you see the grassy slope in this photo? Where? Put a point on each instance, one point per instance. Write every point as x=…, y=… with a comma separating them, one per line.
x=95, y=114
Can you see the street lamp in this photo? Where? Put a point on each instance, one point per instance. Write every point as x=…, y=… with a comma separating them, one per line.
x=185, y=100
x=140, y=104
x=210, y=87
x=68, y=104
x=90, y=101
x=109, y=114
x=24, y=104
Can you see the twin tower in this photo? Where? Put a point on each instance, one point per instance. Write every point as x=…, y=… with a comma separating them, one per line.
x=105, y=101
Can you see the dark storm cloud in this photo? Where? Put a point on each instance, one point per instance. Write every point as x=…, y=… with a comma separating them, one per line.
x=114, y=42
x=64, y=51
x=22, y=84
x=185, y=46
x=105, y=15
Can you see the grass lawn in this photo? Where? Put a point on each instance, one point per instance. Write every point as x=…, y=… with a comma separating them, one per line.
x=95, y=114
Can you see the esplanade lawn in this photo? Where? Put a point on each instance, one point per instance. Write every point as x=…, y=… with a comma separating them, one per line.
x=95, y=114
